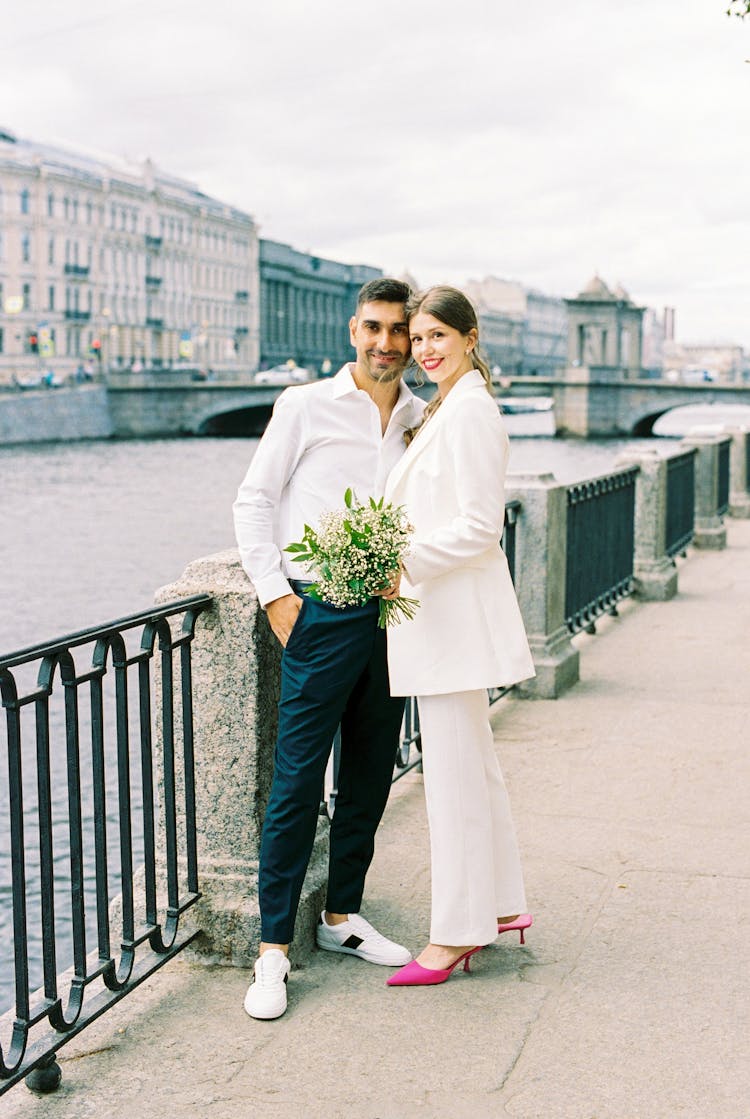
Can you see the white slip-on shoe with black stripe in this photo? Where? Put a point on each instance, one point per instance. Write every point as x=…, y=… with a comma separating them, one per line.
x=266, y=995
x=357, y=937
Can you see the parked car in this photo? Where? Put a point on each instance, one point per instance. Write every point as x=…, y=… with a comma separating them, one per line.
x=283, y=375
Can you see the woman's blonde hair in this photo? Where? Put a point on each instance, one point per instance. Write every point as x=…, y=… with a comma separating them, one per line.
x=451, y=307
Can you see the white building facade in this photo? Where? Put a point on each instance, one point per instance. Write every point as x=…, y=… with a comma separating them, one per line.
x=540, y=347
x=117, y=266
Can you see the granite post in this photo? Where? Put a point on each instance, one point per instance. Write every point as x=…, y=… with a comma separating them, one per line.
x=739, y=472
x=710, y=530
x=541, y=545
x=655, y=572
x=235, y=659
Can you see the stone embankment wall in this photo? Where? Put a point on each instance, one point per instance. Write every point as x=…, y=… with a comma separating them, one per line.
x=40, y=415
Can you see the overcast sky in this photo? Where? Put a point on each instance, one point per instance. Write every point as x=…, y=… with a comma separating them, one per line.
x=535, y=141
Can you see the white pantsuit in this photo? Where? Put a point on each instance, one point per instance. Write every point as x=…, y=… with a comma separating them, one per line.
x=476, y=869
x=467, y=636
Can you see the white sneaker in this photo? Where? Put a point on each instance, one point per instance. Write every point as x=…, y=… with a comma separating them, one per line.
x=266, y=995
x=356, y=937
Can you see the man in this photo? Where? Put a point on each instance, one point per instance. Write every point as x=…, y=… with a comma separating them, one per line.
x=345, y=431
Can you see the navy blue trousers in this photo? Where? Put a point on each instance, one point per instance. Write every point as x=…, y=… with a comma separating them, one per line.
x=333, y=670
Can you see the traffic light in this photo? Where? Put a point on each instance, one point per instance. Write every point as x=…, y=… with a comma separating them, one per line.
x=34, y=343
x=96, y=347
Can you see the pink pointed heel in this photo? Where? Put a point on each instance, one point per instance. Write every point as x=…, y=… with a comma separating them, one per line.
x=414, y=975
x=523, y=921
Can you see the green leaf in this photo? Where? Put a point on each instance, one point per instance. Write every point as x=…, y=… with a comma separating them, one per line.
x=298, y=547
x=349, y=498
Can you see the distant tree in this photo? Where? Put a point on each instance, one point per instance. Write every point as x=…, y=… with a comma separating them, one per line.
x=739, y=8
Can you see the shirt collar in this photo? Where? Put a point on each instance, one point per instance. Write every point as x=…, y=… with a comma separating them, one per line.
x=344, y=384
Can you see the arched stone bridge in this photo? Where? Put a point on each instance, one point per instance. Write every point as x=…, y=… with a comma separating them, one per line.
x=586, y=402
x=174, y=405
x=597, y=403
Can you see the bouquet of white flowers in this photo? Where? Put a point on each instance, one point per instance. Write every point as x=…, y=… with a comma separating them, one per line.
x=354, y=553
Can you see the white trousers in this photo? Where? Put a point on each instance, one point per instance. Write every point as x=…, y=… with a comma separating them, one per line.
x=476, y=868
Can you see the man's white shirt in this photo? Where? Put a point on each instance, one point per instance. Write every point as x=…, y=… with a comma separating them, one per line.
x=322, y=439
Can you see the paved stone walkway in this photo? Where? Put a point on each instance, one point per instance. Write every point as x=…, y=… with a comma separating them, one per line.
x=632, y=996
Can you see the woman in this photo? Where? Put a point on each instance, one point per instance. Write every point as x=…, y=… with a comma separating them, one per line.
x=467, y=636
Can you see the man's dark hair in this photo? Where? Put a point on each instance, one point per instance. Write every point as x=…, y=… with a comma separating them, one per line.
x=383, y=290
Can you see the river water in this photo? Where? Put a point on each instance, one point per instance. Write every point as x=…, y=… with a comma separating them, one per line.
x=89, y=530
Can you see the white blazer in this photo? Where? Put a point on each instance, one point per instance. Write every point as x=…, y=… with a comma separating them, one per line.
x=468, y=632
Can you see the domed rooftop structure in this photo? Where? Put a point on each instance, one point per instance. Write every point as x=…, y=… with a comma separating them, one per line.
x=596, y=289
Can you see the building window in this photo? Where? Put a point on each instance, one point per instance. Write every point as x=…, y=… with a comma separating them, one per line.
x=24, y=201
x=66, y=208
x=51, y=298
x=75, y=211
x=26, y=296
x=50, y=205
x=25, y=247
x=1, y=339
x=51, y=251
x=89, y=212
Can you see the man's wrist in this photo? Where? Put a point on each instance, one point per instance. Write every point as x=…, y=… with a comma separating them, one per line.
x=272, y=587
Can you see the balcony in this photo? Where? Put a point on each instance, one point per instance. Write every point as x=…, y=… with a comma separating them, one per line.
x=153, y=282
x=242, y=296
x=241, y=331
x=74, y=315
x=157, y=324
x=79, y=270
x=153, y=243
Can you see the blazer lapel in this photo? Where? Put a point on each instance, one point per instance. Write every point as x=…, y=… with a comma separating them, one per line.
x=426, y=434
x=413, y=451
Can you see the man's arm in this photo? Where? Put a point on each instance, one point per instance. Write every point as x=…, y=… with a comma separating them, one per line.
x=256, y=509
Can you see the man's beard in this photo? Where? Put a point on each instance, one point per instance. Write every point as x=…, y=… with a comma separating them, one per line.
x=388, y=375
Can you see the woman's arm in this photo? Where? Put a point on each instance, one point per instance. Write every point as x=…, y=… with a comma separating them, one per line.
x=476, y=462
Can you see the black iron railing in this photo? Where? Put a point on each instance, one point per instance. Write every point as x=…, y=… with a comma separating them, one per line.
x=512, y=509
x=722, y=496
x=600, y=547
x=680, y=515
x=82, y=813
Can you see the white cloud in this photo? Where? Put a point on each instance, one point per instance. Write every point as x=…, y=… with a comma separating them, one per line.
x=537, y=141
